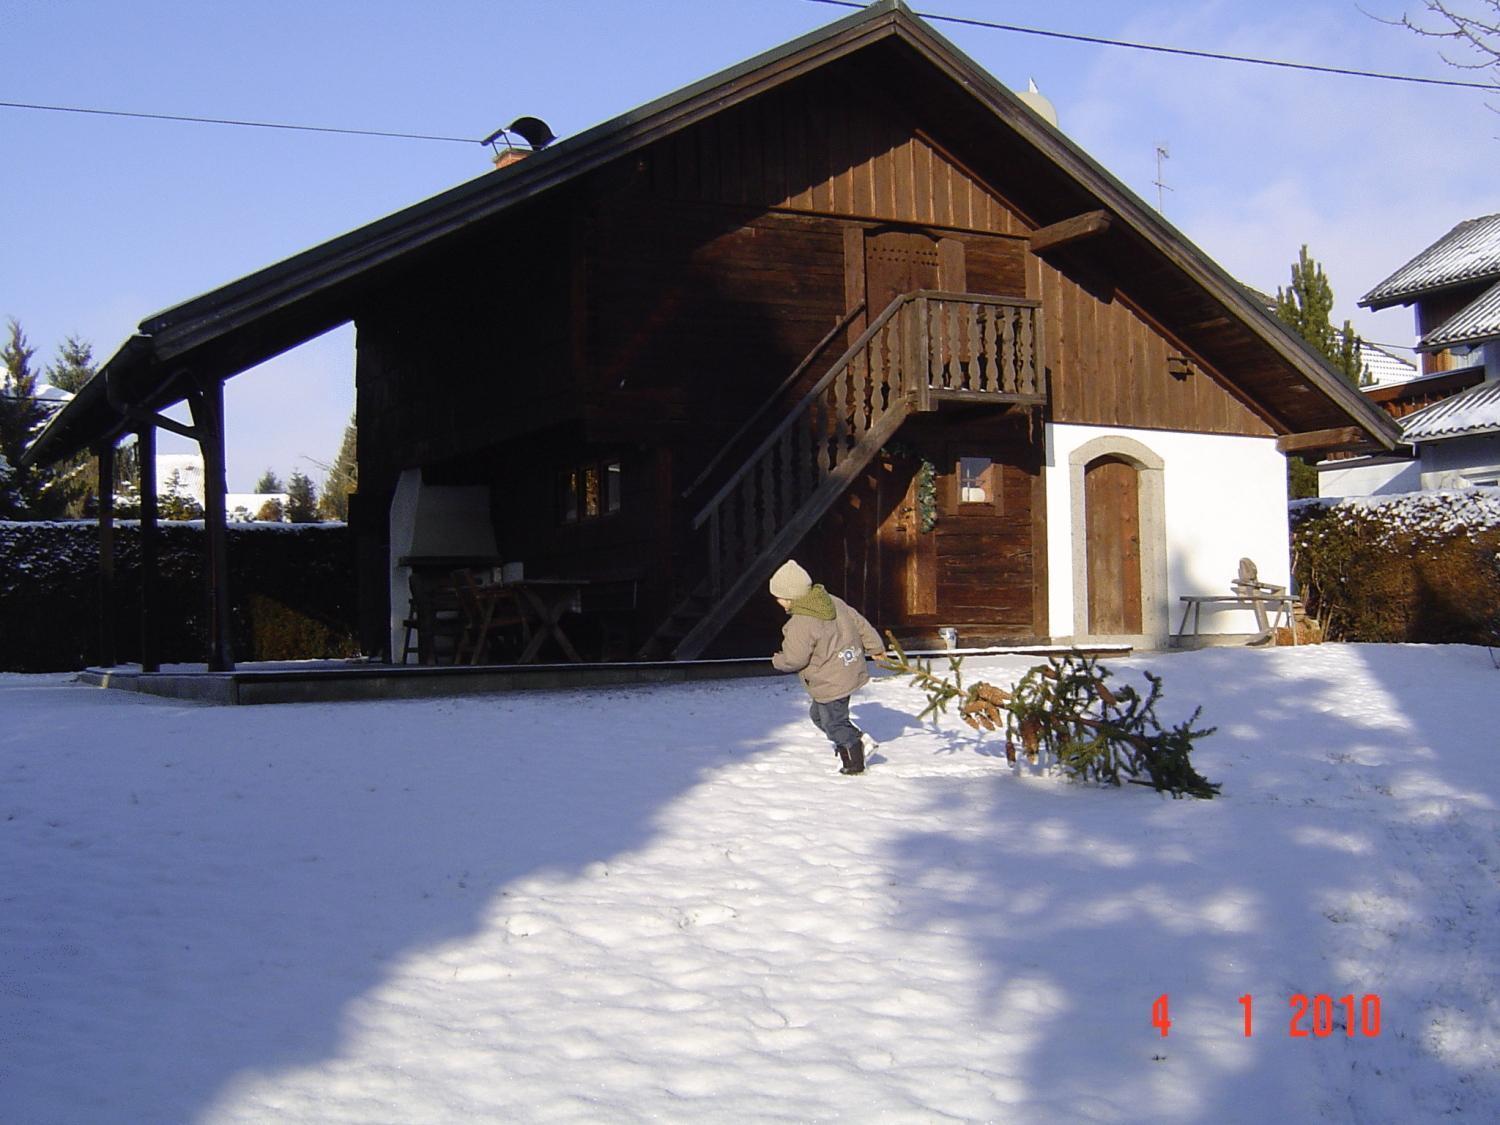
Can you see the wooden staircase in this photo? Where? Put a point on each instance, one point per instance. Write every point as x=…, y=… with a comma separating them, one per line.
x=926, y=348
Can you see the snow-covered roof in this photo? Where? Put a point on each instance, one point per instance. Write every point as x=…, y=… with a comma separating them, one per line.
x=1386, y=366
x=46, y=392
x=1474, y=411
x=1473, y=324
x=1468, y=252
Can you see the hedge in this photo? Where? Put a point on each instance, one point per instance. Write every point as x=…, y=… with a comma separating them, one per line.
x=1419, y=567
x=291, y=587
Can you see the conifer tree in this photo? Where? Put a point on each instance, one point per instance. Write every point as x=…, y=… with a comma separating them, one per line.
x=301, y=499
x=269, y=482
x=74, y=366
x=343, y=478
x=1305, y=306
x=24, y=493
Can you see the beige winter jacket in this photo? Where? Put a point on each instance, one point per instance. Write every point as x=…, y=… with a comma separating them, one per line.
x=826, y=642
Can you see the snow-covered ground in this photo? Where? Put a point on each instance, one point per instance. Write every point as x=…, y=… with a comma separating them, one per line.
x=665, y=904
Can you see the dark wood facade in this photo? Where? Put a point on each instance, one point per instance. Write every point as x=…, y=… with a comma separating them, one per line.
x=733, y=325
x=635, y=319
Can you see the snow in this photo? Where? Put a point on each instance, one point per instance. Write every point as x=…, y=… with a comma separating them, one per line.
x=1435, y=513
x=665, y=904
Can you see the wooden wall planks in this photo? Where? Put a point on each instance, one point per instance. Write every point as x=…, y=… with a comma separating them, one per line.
x=825, y=146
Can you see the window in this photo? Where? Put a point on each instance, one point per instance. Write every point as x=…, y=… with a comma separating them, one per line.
x=975, y=480
x=588, y=491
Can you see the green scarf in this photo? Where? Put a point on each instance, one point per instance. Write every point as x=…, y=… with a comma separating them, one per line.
x=817, y=602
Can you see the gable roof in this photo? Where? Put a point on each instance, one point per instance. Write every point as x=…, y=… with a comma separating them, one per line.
x=1469, y=252
x=1475, y=323
x=1475, y=411
x=263, y=314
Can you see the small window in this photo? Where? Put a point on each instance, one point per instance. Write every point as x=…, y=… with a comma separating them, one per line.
x=589, y=491
x=567, y=496
x=611, y=487
x=975, y=480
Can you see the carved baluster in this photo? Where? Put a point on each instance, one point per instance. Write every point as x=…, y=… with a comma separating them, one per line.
x=960, y=324
x=746, y=521
x=1026, y=374
x=770, y=517
x=860, y=384
x=1005, y=355
x=838, y=418
x=935, y=339
x=786, y=457
x=992, y=376
x=875, y=365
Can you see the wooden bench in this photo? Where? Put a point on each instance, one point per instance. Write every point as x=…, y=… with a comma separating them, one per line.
x=1249, y=592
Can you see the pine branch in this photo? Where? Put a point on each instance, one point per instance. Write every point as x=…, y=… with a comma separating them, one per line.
x=1064, y=712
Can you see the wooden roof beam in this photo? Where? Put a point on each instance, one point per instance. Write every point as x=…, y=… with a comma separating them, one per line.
x=1319, y=441
x=1069, y=231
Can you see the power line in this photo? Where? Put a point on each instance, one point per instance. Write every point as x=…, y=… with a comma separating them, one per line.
x=1217, y=56
x=232, y=121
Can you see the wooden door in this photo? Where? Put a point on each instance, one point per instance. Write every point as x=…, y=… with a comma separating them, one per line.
x=1112, y=525
x=900, y=261
x=982, y=541
x=974, y=567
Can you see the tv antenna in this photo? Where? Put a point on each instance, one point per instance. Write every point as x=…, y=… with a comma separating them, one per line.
x=1161, y=184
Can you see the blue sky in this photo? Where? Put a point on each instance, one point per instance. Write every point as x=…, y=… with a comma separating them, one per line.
x=107, y=220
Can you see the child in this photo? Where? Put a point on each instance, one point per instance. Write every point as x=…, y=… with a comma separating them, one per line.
x=826, y=642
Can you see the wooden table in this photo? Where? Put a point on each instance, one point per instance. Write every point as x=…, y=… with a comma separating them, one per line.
x=543, y=602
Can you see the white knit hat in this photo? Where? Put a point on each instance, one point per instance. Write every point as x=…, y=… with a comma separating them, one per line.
x=790, y=581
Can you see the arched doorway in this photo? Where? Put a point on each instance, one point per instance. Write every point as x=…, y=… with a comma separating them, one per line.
x=1119, y=541
x=1112, y=522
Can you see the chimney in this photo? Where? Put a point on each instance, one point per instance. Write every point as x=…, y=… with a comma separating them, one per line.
x=533, y=130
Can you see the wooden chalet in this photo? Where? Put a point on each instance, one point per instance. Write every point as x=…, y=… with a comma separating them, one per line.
x=851, y=301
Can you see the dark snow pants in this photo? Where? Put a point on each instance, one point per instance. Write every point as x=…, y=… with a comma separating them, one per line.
x=833, y=720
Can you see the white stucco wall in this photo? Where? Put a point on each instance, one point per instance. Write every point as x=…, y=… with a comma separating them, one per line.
x=1460, y=462
x=1223, y=498
x=1368, y=476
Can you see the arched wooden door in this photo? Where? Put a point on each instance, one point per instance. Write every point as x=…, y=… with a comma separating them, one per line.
x=1112, y=516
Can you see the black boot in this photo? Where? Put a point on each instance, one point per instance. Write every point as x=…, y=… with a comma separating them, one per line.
x=843, y=757
x=854, y=757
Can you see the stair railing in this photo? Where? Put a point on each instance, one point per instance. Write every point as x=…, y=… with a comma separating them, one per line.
x=770, y=487
x=771, y=399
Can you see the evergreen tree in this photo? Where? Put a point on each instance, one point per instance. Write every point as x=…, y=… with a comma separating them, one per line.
x=78, y=475
x=1305, y=306
x=24, y=493
x=74, y=366
x=174, y=502
x=301, y=499
x=343, y=478
x=269, y=482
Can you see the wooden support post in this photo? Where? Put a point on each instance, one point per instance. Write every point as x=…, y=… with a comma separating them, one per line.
x=207, y=404
x=106, y=456
x=150, y=540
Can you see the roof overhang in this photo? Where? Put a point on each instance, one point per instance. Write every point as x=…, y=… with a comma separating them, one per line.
x=248, y=321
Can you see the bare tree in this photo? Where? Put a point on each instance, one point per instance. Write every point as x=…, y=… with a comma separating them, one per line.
x=1470, y=26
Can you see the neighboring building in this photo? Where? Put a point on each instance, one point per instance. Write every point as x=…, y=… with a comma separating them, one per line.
x=1385, y=367
x=1450, y=415
x=242, y=507
x=180, y=473
x=851, y=301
